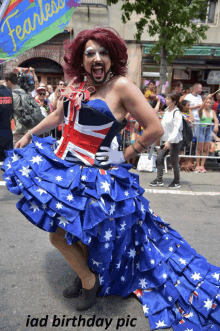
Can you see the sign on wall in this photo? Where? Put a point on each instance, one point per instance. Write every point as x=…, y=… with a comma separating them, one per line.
x=28, y=23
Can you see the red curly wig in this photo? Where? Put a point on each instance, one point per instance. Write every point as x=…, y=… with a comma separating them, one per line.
x=106, y=37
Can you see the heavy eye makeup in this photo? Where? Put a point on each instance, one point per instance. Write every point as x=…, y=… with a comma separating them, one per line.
x=90, y=52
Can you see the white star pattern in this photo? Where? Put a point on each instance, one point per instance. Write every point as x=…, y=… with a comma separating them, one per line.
x=189, y=315
x=149, y=231
x=36, y=159
x=123, y=226
x=44, y=206
x=208, y=304
x=51, y=223
x=39, y=145
x=142, y=248
x=138, y=265
x=106, y=291
x=96, y=263
x=118, y=265
x=188, y=329
x=63, y=221
x=196, y=276
x=39, y=179
x=136, y=243
x=34, y=207
x=126, y=193
x=59, y=205
x=8, y=165
x=111, y=211
x=152, y=261
x=19, y=182
x=167, y=238
x=108, y=234
x=142, y=208
x=122, y=278
x=170, y=298
x=83, y=177
x=171, y=249
x=160, y=323
x=59, y=178
x=69, y=197
x=89, y=240
x=106, y=186
x=41, y=191
x=25, y=171
x=182, y=261
x=216, y=276
x=143, y=282
x=15, y=157
x=101, y=280
x=132, y=253
x=7, y=178
x=165, y=276
x=106, y=245
x=146, y=309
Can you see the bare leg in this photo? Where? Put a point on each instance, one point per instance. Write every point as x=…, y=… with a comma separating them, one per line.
x=199, y=150
x=75, y=256
x=205, y=152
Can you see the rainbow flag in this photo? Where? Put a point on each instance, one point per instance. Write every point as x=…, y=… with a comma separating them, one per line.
x=27, y=23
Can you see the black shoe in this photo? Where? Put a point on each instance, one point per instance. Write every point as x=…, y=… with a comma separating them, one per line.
x=73, y=290
x=156, y=183
x=174, y=185
x=87, y=298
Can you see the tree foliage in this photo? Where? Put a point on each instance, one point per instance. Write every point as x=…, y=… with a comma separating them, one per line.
x=171, y=22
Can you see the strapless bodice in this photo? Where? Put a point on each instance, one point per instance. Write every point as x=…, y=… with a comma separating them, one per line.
x=86, y=130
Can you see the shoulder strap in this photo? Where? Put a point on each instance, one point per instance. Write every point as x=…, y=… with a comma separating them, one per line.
x=175, y=111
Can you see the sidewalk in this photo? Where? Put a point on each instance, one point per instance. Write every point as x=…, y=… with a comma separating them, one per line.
x=190, y=181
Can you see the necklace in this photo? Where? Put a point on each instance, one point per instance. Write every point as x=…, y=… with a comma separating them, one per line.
x=90, y=84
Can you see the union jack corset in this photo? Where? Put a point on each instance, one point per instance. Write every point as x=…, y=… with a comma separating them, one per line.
x=85, y=131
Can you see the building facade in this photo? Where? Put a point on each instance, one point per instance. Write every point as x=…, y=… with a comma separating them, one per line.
x=201, y=63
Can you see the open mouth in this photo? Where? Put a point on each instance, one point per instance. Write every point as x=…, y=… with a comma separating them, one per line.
x=98, y=72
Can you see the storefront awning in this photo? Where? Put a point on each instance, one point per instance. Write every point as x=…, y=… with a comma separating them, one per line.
x=194, y=51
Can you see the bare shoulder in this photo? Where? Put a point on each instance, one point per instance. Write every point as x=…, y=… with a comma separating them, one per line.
x=123, y=83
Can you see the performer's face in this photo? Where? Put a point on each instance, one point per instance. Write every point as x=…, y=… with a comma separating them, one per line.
x=96, y=62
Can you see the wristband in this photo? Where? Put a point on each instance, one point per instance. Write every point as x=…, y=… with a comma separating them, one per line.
x=145, y=147
x=29, y=131
x=135, y=149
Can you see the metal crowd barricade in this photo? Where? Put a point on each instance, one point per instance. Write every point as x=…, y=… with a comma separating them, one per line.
x=192, y=149
x=188, y=152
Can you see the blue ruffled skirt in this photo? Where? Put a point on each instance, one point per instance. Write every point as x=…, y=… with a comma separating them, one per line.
x=131, y=248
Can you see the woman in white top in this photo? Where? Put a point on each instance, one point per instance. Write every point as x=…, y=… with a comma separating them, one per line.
x=172, y=124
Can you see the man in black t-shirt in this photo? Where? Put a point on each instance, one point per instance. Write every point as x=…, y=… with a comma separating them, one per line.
x=6, y=138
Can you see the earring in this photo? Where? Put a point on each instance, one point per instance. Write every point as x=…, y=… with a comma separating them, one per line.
x=85, y=78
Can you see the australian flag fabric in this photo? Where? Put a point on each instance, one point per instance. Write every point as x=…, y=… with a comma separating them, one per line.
x=131, y=248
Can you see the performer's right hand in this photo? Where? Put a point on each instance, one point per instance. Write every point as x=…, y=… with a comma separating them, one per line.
x=24, y=141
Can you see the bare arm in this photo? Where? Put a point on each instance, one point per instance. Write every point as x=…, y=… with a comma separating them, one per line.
x=135, y=103
x=216, y=121
x=157, y=107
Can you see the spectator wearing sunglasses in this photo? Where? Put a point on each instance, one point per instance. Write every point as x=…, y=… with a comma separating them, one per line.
x=45, y=104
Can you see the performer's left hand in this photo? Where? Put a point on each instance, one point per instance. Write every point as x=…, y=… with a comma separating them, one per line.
x=110, y=156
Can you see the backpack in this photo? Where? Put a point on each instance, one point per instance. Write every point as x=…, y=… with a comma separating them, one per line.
x=186, y=132
x=31, y=114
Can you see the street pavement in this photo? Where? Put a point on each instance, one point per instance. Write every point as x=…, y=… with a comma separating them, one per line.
x=33, y=273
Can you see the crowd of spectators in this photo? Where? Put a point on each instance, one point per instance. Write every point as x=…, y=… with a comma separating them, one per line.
x=198, y=108
x=202, y=111
x=25, y=82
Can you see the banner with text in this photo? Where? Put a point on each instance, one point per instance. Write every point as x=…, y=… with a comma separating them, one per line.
x=28, y=23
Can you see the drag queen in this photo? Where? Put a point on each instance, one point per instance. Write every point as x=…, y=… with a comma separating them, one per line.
x=80, y=190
